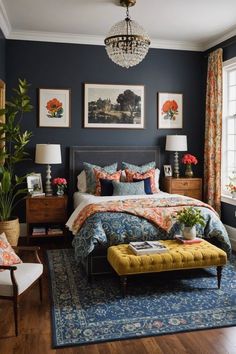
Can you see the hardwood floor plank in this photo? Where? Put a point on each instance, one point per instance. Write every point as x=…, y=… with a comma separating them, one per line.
x=35, y=331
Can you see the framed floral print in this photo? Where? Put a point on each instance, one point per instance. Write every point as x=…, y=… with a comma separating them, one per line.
x=170, y=110
x=54, y=108
x=113, y=106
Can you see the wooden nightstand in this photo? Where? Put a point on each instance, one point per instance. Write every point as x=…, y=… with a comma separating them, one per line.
x=46, y=213
x=191, y=187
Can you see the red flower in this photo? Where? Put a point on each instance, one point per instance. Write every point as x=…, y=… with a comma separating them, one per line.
x=53, y=105
x=189, y=159
x=170, y=106
x=59, y=181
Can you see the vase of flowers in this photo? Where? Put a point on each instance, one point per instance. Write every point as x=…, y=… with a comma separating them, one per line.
x=188, y=160
x=232, y=188
x=60, y=184
x=188, y=218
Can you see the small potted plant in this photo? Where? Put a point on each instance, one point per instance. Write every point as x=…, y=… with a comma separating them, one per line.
x=189, y=217
x=188, y=160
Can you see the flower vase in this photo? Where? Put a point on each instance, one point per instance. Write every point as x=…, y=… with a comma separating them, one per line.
x=60, y=190
x=189, y=232
x=188, y=171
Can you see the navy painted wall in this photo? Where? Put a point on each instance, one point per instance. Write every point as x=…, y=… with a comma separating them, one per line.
x=2, y=55
x=56, y=65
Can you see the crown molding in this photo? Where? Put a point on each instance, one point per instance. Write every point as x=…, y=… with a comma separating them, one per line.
x=5, y=25
x=221, y=39
x=95, y=40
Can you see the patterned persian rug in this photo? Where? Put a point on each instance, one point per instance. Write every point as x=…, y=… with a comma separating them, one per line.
x=170, y=302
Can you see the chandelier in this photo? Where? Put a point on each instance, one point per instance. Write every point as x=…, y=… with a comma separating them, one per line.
x=127, y=42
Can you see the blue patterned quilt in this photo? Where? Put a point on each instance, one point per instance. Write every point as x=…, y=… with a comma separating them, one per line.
x=109, y=228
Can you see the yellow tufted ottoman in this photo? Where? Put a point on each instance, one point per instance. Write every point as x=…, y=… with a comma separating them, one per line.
x=180, y=256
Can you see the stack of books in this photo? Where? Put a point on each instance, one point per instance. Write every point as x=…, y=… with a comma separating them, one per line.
x=55, y=231
x=181, y=239
x=39, y=231
x=147, y=247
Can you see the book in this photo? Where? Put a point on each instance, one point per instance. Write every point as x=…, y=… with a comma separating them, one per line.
x=147, y=247
x=181, y=239
x=39, y=231
x=55, y=231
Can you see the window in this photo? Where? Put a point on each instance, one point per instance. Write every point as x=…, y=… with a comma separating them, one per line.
x=228, y=172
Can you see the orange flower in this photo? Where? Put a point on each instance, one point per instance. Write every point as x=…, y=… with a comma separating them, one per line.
x=166, y=106
x=53, y=105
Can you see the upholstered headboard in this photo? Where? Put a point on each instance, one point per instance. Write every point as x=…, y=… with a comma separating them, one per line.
x=105, y=155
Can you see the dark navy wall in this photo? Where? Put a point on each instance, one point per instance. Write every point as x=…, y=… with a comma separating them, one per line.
x=2, y=55
x=56, y=65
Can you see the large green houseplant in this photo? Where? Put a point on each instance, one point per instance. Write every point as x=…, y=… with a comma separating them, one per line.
x=13, y=142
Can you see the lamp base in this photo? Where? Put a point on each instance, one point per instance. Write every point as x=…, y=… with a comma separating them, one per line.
x=176, y=165
x=48, y=186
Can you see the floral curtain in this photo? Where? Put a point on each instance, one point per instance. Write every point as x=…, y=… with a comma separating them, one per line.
x=213, y=131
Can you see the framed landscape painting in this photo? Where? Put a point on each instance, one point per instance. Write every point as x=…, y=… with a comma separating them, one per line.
x=170, y=110
x=113, y=106
x=54, y=108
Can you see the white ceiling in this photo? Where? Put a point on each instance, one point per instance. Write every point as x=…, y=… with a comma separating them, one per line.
x=174, y=24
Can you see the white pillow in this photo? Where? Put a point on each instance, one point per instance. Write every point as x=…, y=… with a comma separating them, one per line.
x=157, y=176
x=81, y=182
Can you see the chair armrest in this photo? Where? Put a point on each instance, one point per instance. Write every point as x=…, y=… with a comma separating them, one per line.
x=9, y=267
x=35, y=249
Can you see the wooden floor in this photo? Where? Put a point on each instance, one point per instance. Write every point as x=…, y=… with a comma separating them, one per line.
x=35, y=331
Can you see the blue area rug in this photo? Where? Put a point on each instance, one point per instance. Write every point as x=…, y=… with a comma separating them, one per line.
x=166, y=303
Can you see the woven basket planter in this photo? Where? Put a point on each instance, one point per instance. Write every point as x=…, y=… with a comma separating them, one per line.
x=12, y=230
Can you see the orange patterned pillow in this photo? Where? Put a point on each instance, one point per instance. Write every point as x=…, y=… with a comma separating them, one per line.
x=7, y=254
x=130, y=175
x=104, y=175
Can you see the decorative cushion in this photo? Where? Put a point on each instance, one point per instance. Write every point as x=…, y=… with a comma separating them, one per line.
x=104, y=175
x=90, y=177
x=81, y=182
x=130, y=176
x=141, y=169
x=121, y=188
x=147, y=184
x=106, y=187
x=25, y=274
x=7, y=254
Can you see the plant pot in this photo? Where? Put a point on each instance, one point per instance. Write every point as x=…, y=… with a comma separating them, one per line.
x=11, y=228
x=189, y=232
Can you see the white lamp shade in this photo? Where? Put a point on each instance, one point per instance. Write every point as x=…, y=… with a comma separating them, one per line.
x=48, y=153
x=176, y=143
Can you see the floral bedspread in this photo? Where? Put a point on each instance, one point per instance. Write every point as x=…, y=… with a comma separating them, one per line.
x=115, y=222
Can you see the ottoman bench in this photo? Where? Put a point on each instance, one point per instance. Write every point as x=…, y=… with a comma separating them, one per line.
x=179, y=256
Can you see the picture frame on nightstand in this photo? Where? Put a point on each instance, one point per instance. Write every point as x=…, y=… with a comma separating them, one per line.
x=34, y=184
x=167, y=170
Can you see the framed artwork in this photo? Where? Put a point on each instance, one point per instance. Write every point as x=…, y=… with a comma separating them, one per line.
x=113, y=106
x=170, y=110
x=167, y=170
x=54, y=108
x=34, y=183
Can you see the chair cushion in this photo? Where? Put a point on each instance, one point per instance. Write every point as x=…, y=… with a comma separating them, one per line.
x=7, y=254
x=25, y=275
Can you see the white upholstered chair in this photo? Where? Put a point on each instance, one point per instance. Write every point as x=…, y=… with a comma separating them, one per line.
x=16, y=279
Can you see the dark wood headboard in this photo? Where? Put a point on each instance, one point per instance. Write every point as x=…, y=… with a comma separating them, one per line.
x=106, y=155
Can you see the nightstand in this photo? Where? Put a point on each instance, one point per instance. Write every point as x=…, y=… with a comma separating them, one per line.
x=190, y=187
x=46, y=216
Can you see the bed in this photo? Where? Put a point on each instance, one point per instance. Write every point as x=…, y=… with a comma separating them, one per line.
x=99, y=222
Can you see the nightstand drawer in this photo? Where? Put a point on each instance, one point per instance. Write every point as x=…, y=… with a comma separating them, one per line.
x=185, y=184
x=53, y=215
x=38, y=204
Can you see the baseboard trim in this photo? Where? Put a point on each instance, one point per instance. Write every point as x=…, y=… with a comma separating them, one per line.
x=232, y=235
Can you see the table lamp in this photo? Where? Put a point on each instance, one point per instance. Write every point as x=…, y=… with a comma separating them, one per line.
x=48, y=154
x=176, y=143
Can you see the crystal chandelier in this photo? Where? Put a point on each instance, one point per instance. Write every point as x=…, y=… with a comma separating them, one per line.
x=127, y=42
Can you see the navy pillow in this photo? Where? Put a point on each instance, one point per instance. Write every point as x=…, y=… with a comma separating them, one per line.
x=147, y=184
x=106, y=187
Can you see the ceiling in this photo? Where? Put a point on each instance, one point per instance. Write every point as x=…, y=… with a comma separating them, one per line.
x=173, y=24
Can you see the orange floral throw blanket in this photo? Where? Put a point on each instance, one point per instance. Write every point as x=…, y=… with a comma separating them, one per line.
x=158, y=211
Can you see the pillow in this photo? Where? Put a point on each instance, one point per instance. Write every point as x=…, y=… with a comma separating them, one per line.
x=121, y=188
x=104, y=175
x=157, y=176
x=81, y=182
x=147, y=184
x=7, y=254
x=90, y=177
x=106, y=187
x=141, y=169
x=130, y=176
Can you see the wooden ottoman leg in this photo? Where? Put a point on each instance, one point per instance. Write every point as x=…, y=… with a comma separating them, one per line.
x=123, y=280
x=219, y=273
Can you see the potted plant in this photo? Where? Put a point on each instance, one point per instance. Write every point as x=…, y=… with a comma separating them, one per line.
x=189, y=217
x=12, y=151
